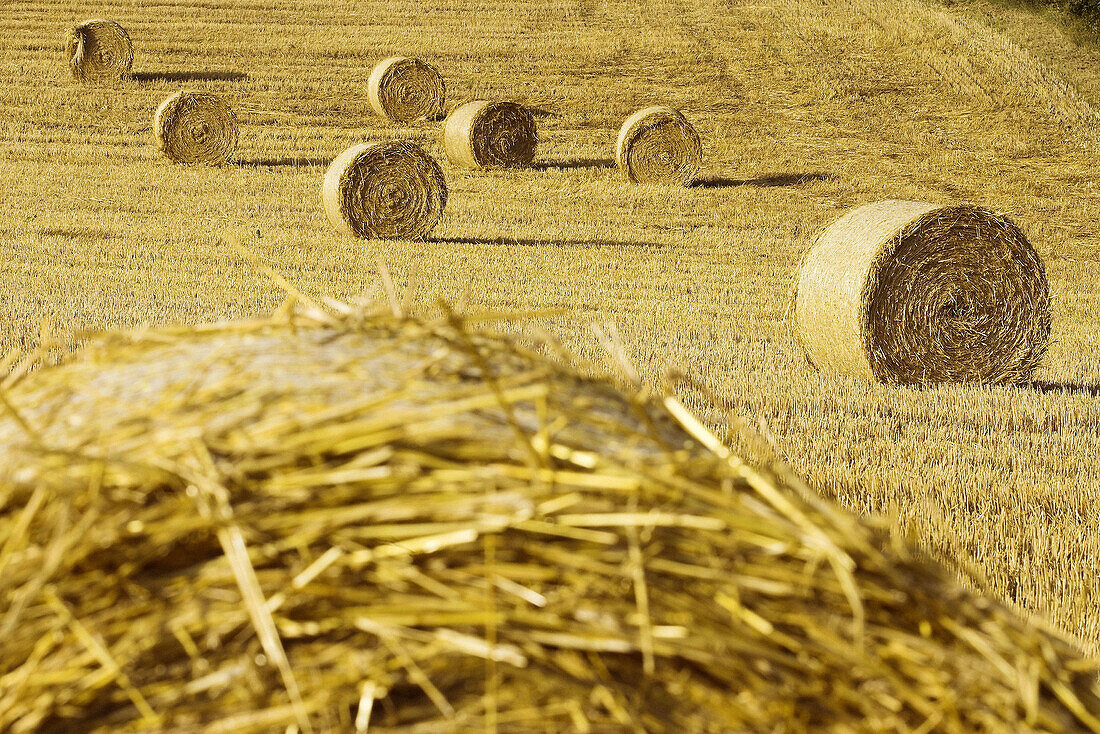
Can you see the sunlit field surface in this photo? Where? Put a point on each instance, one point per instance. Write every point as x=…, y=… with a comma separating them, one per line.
x=805, y=110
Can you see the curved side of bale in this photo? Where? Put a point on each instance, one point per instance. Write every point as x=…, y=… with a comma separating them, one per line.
x=832, y=280
x=658, y=145
x=196, y=127
x=400, y=510
x=491, y=134
x=406, y=90
x=390, y=189
x=913, y=293
x=99, y=51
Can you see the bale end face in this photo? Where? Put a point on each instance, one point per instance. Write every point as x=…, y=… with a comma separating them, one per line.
x=911, y=293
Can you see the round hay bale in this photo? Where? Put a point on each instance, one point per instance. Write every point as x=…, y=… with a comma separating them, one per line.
x=99, y=51
x=913, y=293
x=491, y=135
x=406, y=90
x=196, y=127
x=658, y=145
x=389, y=190
x=293, y=523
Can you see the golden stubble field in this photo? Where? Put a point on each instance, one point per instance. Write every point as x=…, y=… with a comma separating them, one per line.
x=805, y=109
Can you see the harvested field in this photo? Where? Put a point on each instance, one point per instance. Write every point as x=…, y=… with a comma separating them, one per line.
x=805, y=111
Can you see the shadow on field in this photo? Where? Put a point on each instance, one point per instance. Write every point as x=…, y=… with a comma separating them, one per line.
x=1069, y=388
x=573, y=164
x=291, y=162
x=78, y=233
x=145, y=77
x=540, y=112
x=775, y=179
x=588, y=244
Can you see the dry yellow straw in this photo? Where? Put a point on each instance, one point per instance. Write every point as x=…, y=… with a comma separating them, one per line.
x=390, y=189
x=914, y=293
x=99, y=51
x=406, y=90
x=342, y=519
x=491, y=134
x=194, y=127
x=658, y=145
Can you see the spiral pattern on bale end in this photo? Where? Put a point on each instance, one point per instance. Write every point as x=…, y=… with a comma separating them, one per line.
x=907, y=292
x=385, y=190
x=194, y=127
x=406, y=90
x=658, y=145
x=99, y=51
x=491, y=135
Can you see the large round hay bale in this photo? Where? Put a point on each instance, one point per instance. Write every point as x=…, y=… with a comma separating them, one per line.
x=406, y=90
x=196, y=127
x=491, y=135
x=99, y=51
x=658, y=145
x=388, y=190
x=913, y=293
x=256, y=526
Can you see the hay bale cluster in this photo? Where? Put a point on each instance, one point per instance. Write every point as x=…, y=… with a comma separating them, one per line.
x=913, y=293
x=341, y=522
x=656, y=145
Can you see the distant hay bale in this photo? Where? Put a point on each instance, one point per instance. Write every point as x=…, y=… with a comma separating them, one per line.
x=406, y=90
x=100, y=51
x=196, y=127
x=301, y=523
x=491, y=134
x=391, y=189
x=913, y=293
x=658, y=145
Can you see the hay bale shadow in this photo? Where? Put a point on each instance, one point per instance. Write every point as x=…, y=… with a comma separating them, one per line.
x=776, y=179
x=148, y=77
x=285, y=162
x=1067, y=388
x=573, y=164
x=520, y=242
x=78, y=233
